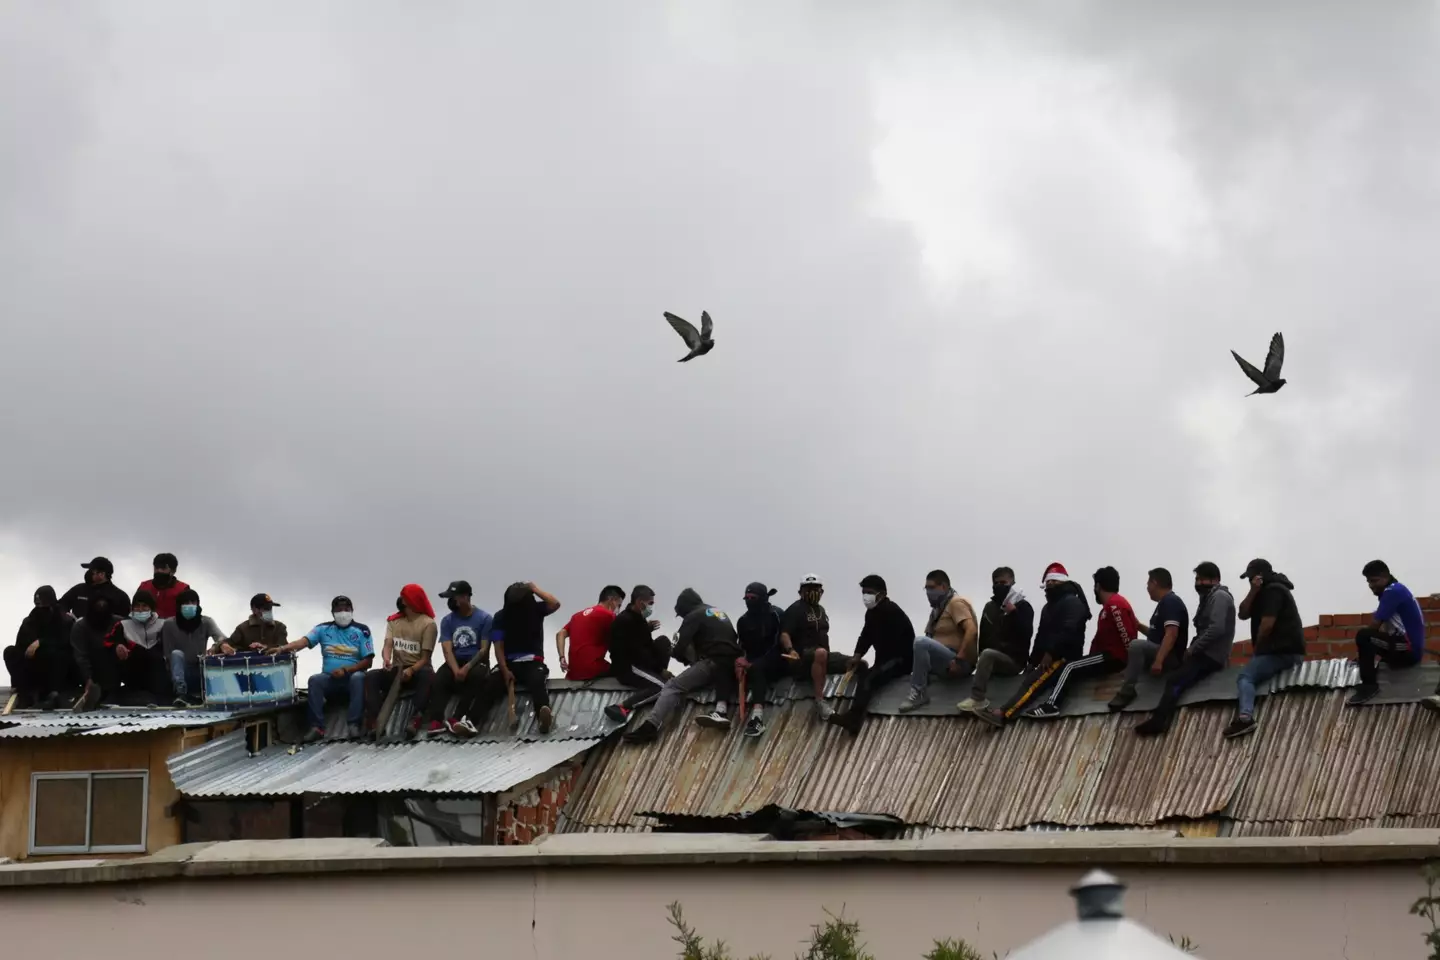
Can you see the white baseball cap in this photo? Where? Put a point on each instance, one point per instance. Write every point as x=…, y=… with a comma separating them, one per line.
x=811, y=581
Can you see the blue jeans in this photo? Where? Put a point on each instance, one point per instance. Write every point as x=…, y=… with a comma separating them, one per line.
x=931, y=657
x=1257, y=671
x=324, y=686
x=184, y=674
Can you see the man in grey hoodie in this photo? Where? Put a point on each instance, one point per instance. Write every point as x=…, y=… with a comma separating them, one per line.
x=1208, y=652
x=706, y=642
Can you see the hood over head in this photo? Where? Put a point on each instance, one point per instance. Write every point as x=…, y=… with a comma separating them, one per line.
x=416, y=599
x=1280, y=578
x=757, y=596
x=687, y=602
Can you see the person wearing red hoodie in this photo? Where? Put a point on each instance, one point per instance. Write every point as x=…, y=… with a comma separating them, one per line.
x=164, y=587
x=1115, y=628
x=409, y=643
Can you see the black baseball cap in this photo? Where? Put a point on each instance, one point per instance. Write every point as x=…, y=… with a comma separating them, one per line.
x=1258, y=568
x=262, y=601
x=758, y=590
x=101, y=564
x=457, y=588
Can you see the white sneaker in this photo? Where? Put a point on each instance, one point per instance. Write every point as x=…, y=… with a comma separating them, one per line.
x=971, y=705
x=916, y=700
x=824, y=710
x=462, y=727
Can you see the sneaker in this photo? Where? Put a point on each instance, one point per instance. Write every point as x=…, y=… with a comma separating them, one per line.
x=315, y=735
x=647, y=732
x=754, y=727
x=1153, y=725
x=1123, y=698
x=971, y=705
x=181, y=704
x=462, y=728
x=995, y=718
x=412, y=728
x=89, y=700
x=618, y=712
x=546, y=717
x=715, y=720
x=1366, y=693
x=434, y=726
x=916, y=700
x=353, y=731
x=1239, y=727
x=824, y=710
x=1431, y=703
x=1045, y=711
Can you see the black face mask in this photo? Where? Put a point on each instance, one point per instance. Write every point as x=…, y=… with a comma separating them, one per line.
x=452, y=605
x=1203, y=588
x=999, y=591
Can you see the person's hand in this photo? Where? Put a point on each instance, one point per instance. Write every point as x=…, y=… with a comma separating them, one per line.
x=1157, y=668
x=407, y=673
x=531, y=585
x=122, y=653
x=1257, y=582
x=338, y=673
x=742, y=663
x=385, y=660
x=854, y=663
x=506, y=675
x=258, y=647
x=564, y=664
x=955, y=667
x=271, y=651
x=34, y=648
x=1045, y=662
x=1008, y=607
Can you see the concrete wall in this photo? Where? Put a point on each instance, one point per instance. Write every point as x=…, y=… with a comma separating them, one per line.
x=473, y=901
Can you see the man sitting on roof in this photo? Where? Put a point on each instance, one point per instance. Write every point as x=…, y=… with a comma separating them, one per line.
x=1006, y=625
x=891, y=633
x=1208, y=653
x=409, y=644
x=97, y=582
x=1059, y=640
x=140, y=656
x=518, y=637
x=706, y=641
x=346, y=652
x=638, y=659
x=164, y=586
x=465, y=647
x=1277, y=634
x=588, y=636
x=1165, y=640
x=948, y=647
x=183, y=641
x=260, y=631
x=1396, y=633
x=759, y=634
x=42, y=662
x=805, y=640
x=95, y=655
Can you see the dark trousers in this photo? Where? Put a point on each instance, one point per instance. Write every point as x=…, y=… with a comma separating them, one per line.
x=377, y=687
x=1095, y=665
x=869, y=680
x=1372, y=645
x=530, y=678
x=762, y=673
x=1033, y=682
x=51, y=670
x=1190, y=672
x=325, y=688
x=470, y=690
x=143, y=673
x=646, y=684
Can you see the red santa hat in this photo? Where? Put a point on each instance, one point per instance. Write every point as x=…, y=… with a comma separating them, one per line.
x=1056, y=572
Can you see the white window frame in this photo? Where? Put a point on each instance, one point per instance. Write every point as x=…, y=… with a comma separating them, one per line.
x=90, y=776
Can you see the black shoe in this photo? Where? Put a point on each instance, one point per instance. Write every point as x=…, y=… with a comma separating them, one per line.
x=715, y=720
x=1431, y=703
x=543, y=718
x=1153, y=726
x=1239, y=727
x=1366, y=693
x=754, y=726
x=647, y=732
x=618, y=712
x=995, y=718
x=1045, y=711
x=1123, y=698
x=315, y=735
x=51, y=702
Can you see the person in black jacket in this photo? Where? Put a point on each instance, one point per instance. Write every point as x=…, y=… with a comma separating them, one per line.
x=41, y=663
x=706, y=641
x=1059, y=638
x=891, y=633
x=1006, y=626
x=637, y=659
x=92, y=640
x=759, y=635
x=97, y=583
x=1278, y=636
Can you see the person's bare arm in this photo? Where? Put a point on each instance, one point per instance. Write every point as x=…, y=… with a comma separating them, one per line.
x=1256, y=585
x=560, y=639
x=1266, y=625
x=447, y=650
x=550, y=602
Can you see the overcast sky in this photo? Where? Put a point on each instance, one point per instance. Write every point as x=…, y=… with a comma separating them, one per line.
x=331, y=297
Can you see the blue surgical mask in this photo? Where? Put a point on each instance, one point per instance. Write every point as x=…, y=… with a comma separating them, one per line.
x=267, y=615
x=141, y=616
x=649, y=609
x=189, y=611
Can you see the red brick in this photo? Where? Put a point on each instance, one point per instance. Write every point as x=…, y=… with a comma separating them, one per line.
x=522, y=834
x=1350, y=619
x=547, y=797
x=1431, y=602
x=1327, y=619
x=507, y=819
x=1312, y=633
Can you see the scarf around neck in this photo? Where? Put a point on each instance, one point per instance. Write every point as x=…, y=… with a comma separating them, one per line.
x=937, y=611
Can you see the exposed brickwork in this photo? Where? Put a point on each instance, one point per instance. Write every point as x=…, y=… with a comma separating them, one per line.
x=1334, y=635
x=533, y=814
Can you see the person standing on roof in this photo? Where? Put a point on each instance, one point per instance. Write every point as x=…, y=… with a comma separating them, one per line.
x=183, y=642
x=948, y=647
x=164, y=587
x=889, y=631
x=805, y=640
x=97, y=583
x=707, y=643
x=518, y=636
x=258, y=632
x=1277, y=634
x=94, y=655
x=588, y=633
x=136, y=642
x=1396, y=634
x=409, y=644
x=758, y=631
x=1059, y=639
x=465, y=648
x=42, y=663
x=1006, y=625
x=346, y=653
x=1210, y=651
x=638, y=659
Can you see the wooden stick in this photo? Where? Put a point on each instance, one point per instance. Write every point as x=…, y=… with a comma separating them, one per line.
x=510, y=696
x=388, y=706
x=9, y=705
x=740, y=674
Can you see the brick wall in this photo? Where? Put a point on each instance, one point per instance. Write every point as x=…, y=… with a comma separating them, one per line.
x=1334, y=635
x=528, y=816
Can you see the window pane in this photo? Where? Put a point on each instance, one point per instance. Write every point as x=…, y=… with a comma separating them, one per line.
x=118, y=812
x=60, y=813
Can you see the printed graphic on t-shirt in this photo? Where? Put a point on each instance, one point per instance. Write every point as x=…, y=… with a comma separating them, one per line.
x=407, y=645
x=465, y=640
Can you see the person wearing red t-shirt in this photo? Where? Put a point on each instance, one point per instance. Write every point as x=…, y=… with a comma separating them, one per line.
x=1115, y=628
x=588, y=633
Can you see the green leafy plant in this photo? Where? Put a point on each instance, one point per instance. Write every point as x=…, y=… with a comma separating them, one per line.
x=1184, y=944
x=1428, y=907
x=692, y=946
x=953, y=950
x=834, y=939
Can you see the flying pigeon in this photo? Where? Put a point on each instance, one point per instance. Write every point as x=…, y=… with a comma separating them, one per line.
x=1268, y=380
x=699, y=342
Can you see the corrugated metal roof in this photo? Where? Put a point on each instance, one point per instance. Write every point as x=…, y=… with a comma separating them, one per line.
x=578, y=714
x=1313, y=761
x=106, y=722
x=222, y=768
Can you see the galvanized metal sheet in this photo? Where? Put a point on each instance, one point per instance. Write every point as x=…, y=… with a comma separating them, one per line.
x=578, y=713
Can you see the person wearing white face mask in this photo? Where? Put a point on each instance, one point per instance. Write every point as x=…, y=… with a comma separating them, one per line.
x=889, y=631
x=183, y=641
x=136, y=639
x=260, y=632
x=346, y=651
x=637, y=659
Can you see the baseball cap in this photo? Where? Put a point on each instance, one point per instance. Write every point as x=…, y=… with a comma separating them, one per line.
x=101, y=564
x=758, y=590
x=811, y=580
x=262, y=601
x=874, y=582
x=457, y=588
x=1258, y=568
